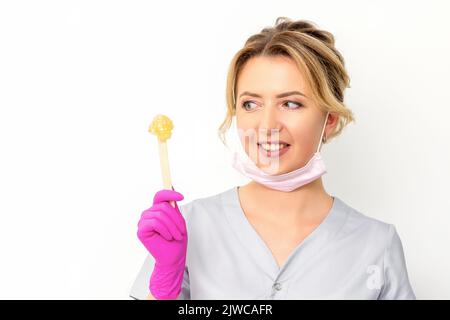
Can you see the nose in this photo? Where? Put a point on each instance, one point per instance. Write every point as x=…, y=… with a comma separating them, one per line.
x=269, y=121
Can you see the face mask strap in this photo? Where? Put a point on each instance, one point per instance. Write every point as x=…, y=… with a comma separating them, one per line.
x=323, y=129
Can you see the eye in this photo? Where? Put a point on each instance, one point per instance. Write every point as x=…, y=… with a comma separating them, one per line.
x=297, y=105
x=244, y=105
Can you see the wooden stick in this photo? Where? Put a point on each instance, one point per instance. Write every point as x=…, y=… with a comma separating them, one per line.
x=164, y=161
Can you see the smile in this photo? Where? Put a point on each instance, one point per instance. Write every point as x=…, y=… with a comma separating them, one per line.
x=273, y=149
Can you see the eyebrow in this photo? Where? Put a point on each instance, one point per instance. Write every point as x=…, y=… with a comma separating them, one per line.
x=281, y=95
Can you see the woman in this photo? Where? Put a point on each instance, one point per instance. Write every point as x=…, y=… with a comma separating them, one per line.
x=281, y=236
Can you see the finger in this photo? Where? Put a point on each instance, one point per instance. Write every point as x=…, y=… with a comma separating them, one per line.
x=144, y=233
x=144, y=230
x=157, y=226
x=167, y=195
x=164, y=217
x=149, y=212
x=174, y=215
x=155, y=208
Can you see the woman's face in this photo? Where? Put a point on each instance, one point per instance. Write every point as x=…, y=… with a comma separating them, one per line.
x=267, y=110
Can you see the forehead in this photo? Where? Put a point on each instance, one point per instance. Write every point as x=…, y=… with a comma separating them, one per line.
x=270, y=75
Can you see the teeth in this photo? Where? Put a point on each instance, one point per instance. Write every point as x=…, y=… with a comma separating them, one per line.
x=272, y=146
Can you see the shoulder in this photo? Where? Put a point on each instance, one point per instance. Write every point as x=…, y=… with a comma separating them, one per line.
x=365, y=227
x=378, y=243
x=210, y=205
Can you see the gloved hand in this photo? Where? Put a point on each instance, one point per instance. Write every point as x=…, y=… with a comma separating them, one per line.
x=162, y=230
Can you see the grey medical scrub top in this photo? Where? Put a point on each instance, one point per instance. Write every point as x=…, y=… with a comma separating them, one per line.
x=347, y=256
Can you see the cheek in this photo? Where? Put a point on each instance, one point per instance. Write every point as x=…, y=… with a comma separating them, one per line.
x=247, y=131
x=303, y=138
x=298, y=128
x=300, y=134
x=248, y=139
x=247, y=134
x=246, y=121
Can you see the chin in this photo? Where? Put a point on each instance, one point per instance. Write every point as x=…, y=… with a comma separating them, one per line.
x=275, y=170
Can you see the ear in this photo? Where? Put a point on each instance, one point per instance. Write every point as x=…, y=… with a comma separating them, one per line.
x=332, y=121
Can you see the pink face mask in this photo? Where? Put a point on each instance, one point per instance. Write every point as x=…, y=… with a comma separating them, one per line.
x=286, y=182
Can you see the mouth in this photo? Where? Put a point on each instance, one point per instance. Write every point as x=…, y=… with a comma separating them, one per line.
x=273, y=149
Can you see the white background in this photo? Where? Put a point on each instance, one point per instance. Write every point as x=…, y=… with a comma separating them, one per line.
x=80, y=82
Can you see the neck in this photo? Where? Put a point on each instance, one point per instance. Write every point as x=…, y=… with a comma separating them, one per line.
x=308, y=202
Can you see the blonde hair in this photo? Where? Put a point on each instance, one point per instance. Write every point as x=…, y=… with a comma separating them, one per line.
x=313, y=51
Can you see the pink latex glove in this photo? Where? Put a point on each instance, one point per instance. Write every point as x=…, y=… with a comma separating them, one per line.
x=162, y=230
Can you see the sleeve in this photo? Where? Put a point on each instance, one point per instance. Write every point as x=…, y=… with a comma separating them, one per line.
x=396, y=281
x=140, y=290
